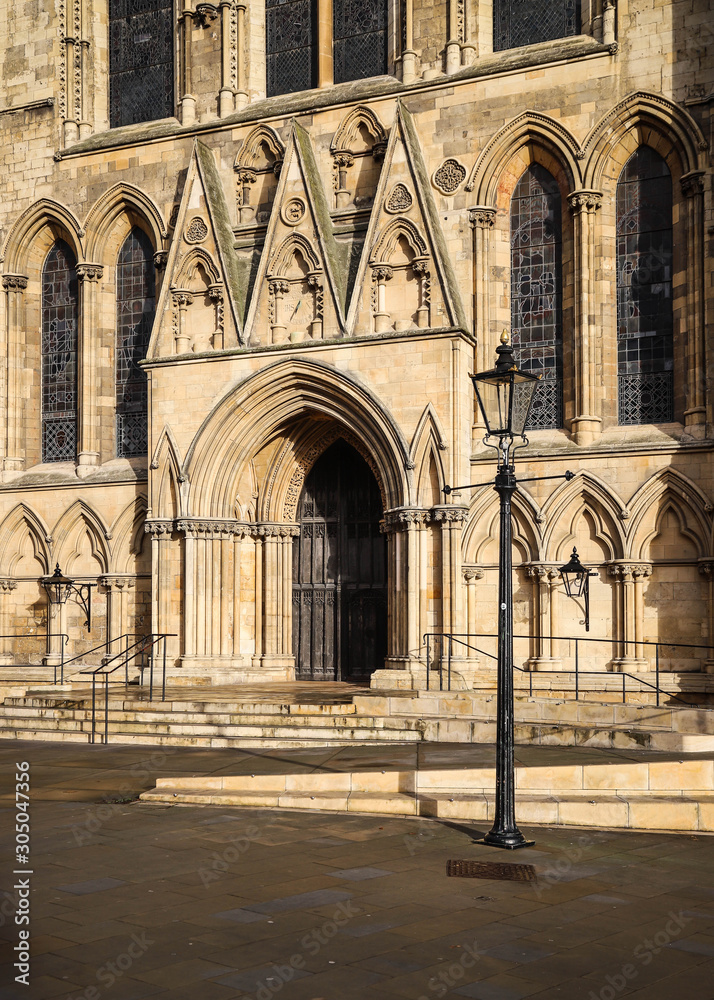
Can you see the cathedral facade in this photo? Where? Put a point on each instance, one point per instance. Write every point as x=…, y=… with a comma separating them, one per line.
x=250, y=253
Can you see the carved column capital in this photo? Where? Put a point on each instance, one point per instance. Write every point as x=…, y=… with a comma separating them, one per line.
x=482, y=217
x=584, y=201
x=693, y=183
x=246, y=175
x=14, y=282
x=343, y=158
x=382, y=272
x=278, y=286
x=159, y=529
x=450, y=514
x=7, y=584
x=182, y=299
x=472, y=573
x=89, y=272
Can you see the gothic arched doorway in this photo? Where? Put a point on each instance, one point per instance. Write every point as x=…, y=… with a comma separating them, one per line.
x=339, y=571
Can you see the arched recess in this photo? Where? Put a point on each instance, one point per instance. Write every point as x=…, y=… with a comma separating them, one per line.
x=427, y=447
x=122, y=207
x=257, y=165
x=20, y=245
x=19, y=524
x=357, y=149
x=284, y=255
x=168, y=480
x=481, y=534
x=642, y=118
x=563, y=507
x=128, y=537
x=273, y=398
x=78, y=522
x=388, y=240
x=668, y=489
x=528, y=129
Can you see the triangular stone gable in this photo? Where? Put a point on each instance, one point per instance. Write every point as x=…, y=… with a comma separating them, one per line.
x=405, y=279
x=197, y=310
x=298, y=293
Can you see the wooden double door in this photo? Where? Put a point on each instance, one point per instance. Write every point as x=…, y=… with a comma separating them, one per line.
x=339, y=571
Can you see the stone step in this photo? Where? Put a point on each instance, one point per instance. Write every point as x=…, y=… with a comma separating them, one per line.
x=664, y=796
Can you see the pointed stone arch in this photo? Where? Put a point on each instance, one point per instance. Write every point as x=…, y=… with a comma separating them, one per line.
x=528, y=129
x=168, y=479
x=671, y=123
x=347, y=133
x=282, y=258
x=273, y=398
x=121, y=200
x=427, y=446
x=194, y=258
x=43, y=214
x=567, y=503
x=389, y=237
x=17, y=524
x=249, y=154
x=483, y=525
x=669, y=489
x=68, y=531
x=128, y=535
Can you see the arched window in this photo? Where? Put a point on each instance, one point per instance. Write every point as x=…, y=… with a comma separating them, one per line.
x=536, y=315
x=59, y=354
x=141, y=65
x=290, y=27
x=645, y=355
x=359, y=35
x=525, y=22
x=135, y=316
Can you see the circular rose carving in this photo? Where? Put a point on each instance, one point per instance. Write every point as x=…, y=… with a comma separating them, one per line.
x=399, y=200
x=449, y=177
x=196, y=230
x=293, y=211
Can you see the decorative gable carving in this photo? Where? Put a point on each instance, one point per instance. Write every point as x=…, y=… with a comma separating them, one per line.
x=357, y=151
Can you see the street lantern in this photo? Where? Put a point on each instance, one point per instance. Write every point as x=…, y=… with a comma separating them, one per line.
x=59, y=589
x=505, y=394
x=576, y=579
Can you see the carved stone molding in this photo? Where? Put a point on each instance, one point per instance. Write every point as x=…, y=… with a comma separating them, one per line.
x=450, y=515
x=89, y=272
x=159, y=528
x=203, y=528
x=399, y=199
x=627, y=571
x=449, y=176
x=196, y=231
x=693, y=183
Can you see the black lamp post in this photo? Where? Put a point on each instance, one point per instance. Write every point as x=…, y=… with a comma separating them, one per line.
x=504, y=396
x=576, y=579
x=59, y=588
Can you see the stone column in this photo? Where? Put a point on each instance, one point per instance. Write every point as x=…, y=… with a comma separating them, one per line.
x=226, y=96
x=695, y=364
x=276, y=605
x=482, y=219
x=182, y=338
x=277, y=289
x=420, y=266
x=410, y=69
x=215, y=293
x=608, y=23
x=471, y=575
x=706, y=568
x=12, y=444
x=118, y=589
x=162, y=585
x=187, y=101
x=545, y=583
x=241, y=97
x=314, y=280
x=381, y=273
x=453, y=46
x=343, y=161
x=586, y=423
x=406, y=593
x=631, y=577
x=7, y=585
x=87, y=366
x=245, y=177
x=324, y=44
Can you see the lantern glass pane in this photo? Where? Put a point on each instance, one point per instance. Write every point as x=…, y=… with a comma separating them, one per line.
x=493, y=400
x=522, y=398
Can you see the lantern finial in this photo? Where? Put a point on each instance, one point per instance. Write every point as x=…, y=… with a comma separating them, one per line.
x=504, y=336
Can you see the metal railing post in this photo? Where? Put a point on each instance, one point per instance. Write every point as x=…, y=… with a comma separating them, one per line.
x=577, y=667
x=151, y=673
x=163, y=680
x=126, y=658
x=657, y=671
x=624, y=680
x=448, y=673
x=94, y=703
x=428, y=658
x=106, y=708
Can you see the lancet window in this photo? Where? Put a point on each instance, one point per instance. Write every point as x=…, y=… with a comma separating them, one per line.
x=141, y=70
x=536, y=290
x=135, y=316
x=645, y=355
x=359, y=35
x=60, y=300
x=525, y=22
x=290, y=28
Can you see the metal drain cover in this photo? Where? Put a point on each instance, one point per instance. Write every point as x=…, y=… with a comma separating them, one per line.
x=491, y=869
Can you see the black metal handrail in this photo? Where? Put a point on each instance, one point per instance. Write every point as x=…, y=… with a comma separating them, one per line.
x=146, y=644
x=87, y=652
x=578, y=672
x=43, y=637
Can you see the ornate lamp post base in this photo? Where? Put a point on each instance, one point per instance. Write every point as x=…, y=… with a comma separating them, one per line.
x=509, y=840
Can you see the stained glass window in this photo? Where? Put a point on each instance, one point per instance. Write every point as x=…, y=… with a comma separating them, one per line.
x=141, y=66
x=536, y=290
x=525, y=22
x=135, y=316
x=59, y=354
x=290, y=27
x=645, y=355
x=359, y=39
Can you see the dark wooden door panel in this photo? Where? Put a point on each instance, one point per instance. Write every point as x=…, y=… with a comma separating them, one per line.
x=339, y=571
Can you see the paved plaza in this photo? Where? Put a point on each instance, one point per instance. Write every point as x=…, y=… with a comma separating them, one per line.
x=131, y=900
